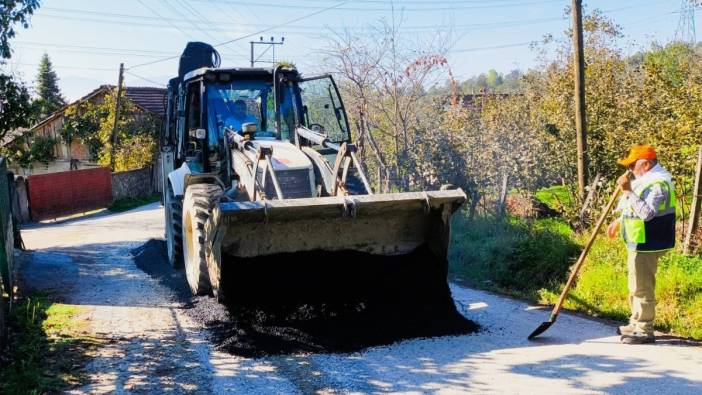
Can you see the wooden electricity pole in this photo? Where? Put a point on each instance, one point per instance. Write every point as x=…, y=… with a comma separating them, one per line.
x=113, y=139
x=580, y=115
x=695, y=209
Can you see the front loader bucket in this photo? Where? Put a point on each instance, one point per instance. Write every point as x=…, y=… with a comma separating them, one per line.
x=354, y=250
x=382, y=224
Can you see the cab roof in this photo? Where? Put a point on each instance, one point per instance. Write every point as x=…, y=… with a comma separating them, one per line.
x=245, y=72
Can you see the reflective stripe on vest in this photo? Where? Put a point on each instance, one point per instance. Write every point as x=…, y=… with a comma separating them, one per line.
x=659, y=232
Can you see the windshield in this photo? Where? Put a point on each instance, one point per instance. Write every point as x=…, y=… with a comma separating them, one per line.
x=233, y=104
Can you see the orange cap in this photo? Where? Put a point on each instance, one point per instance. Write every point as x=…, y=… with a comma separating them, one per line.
x=638, y=152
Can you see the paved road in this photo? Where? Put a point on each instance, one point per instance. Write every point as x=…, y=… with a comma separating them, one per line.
x=154, y=347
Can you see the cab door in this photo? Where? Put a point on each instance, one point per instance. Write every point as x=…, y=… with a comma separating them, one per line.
x=322, y=108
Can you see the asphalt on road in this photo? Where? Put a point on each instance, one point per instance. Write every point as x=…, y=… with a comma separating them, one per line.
x=155, y=344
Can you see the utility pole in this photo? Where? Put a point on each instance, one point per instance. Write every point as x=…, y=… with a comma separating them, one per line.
x=695, y=209
x=113, y=140
x=580, y=114
x=272, y=43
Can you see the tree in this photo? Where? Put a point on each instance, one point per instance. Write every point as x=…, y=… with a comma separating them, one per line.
x=419, y=141
x=384, y=81
x=12, y=12
x=16, y=106
x=136, y=137
x=50, y=98
x=81, y=122
x=493, y=79
x=16, y=109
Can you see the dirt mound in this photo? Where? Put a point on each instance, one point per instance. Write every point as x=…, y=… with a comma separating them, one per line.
x=319, y=302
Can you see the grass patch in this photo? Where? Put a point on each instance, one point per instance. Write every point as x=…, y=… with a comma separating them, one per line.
x=514, y=256
x=555, y=197
x=601, y=289
x=47, y=346
x=126, y=204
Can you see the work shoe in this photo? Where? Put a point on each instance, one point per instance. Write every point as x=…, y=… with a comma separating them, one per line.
x=626, y=330
x=638, y=338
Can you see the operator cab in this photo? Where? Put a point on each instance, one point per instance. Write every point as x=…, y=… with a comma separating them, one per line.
x=276, y=101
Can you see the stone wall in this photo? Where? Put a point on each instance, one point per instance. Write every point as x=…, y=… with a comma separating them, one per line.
x=20, y=204
x=133, y=183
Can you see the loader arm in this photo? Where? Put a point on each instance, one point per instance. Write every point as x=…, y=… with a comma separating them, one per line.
x=346, y=155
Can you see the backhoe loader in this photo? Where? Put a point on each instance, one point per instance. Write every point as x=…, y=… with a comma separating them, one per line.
x=259, y=163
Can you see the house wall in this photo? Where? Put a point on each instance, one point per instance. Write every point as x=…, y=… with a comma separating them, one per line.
x=53, y=129
x=78, y=151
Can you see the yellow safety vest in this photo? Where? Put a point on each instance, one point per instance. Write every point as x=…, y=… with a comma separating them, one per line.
x=656, y=234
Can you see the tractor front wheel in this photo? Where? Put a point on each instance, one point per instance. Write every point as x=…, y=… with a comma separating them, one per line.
x=197, y=210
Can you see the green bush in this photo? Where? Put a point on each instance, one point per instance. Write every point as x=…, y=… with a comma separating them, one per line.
x=514, y=255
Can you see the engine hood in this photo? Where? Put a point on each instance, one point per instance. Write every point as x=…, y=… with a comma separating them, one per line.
x=285, y=155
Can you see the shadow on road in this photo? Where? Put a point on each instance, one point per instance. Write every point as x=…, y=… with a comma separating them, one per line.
x=634, y=375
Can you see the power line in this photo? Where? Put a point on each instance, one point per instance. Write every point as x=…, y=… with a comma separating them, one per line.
x=252, y=34
x=56, y=45
x=145, y=79
x=521, y=44
x=177, y=11
x=420, y=2
x=89, y=52
x=160, y=16
x=201, y=18
x=485, y=5
x=417, y=28
x=64, y=67
x=214, y=25
x=225, y=12
x=282, y=24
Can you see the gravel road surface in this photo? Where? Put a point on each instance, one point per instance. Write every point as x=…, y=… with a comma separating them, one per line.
x=153, y=344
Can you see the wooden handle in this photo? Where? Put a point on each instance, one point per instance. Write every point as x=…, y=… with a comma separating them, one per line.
x=583, y=254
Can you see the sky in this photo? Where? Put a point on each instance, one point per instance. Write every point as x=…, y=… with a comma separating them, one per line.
x=86, y=40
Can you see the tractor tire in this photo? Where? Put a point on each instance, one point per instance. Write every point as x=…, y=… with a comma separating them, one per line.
x=174, y=228
x=197, y=210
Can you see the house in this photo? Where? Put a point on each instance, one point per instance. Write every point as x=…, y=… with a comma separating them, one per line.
x=147, y=99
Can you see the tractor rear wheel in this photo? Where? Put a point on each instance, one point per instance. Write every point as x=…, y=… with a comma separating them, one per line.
x=174, y=228
x=197, y=210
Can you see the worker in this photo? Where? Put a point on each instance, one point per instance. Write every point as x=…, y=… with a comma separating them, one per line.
x=239, y=116
x=647, y=225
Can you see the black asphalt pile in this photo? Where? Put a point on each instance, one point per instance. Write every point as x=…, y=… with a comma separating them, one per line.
x=320, y=301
